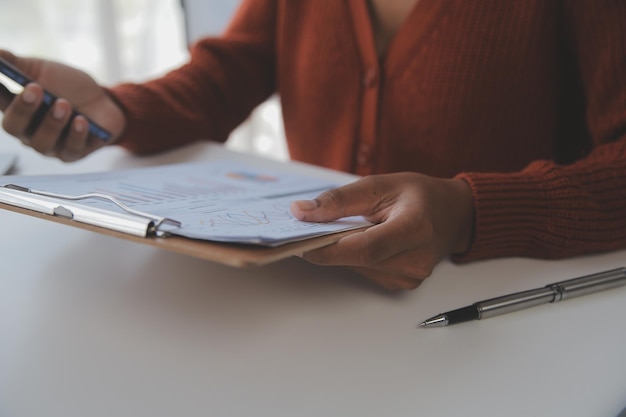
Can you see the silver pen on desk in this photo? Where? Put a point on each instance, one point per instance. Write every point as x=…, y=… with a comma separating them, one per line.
x=551, y=293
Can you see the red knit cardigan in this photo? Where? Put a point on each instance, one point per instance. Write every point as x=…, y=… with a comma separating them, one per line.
x=523, y=99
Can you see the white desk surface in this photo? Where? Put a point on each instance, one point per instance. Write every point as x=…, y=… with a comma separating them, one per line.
x=95, y=326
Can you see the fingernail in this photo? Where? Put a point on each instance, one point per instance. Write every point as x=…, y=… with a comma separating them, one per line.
x=307, y=205
x=28, y=96
x=58, y=113
x=79, y=127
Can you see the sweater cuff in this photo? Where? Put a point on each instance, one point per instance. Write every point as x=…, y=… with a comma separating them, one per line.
x=154, y=126
x=509, y=214
x=131, y=129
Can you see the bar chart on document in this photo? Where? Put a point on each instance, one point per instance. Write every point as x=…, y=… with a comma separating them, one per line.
x=221, y=201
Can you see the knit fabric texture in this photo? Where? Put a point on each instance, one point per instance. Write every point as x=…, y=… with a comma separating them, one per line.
x=525, y=100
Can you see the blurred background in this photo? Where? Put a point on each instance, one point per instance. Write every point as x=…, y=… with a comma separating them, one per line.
x=132, y=40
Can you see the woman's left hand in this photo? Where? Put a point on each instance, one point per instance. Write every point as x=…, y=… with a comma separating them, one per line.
x=418, y=220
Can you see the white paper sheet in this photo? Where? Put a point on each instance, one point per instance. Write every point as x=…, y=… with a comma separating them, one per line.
x=220, y=201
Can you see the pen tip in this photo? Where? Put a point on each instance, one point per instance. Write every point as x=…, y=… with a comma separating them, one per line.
x=437, y=321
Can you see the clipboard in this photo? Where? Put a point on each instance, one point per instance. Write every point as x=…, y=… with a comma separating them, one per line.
x=147, y=228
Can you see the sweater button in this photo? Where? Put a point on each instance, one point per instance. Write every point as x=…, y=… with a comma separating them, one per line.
x=370, y=79
x=363, y=156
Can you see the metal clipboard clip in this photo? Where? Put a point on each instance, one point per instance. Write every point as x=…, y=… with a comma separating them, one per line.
x=131, y=221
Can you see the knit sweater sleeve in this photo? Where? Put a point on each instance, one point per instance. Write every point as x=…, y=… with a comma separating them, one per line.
x=208, y=97
x=552, y=211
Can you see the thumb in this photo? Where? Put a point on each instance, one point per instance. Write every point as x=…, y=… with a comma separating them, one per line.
x=31, y=67
x=354, y=199
x=7, y=56
x=11, y=59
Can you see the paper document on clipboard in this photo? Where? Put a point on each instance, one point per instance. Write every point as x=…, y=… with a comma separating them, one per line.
x=221, y=201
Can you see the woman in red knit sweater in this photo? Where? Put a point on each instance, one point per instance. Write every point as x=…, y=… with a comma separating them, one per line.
x=482, y=129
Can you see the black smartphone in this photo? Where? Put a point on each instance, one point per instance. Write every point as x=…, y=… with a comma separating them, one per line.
x=9, y=73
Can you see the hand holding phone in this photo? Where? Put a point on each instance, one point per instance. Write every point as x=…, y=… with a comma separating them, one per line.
x=14, y=82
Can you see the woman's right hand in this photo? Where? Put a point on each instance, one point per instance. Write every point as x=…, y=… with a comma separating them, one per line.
x=57, y=135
